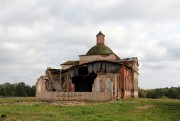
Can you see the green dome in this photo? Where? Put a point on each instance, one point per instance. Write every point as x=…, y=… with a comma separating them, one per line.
x=99, y=50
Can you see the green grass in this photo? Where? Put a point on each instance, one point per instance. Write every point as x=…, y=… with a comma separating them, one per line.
x=25, y=109
x=16, y=99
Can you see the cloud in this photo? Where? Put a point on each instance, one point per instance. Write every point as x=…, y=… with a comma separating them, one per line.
x=172, y=45
x=36, y=34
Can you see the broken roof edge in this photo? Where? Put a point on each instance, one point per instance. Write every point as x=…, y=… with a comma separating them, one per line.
x=132, y=59
x=90, y=63
x=129, y=68
x=53, y=69
x=70, y=63
x=85, y=64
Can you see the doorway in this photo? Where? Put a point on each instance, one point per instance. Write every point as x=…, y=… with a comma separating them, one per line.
x=84, y=81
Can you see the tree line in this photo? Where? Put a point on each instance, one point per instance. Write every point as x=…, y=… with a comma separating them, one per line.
x=173, y=93
x=17, y=90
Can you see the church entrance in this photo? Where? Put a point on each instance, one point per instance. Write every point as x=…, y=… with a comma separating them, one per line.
x=84, y=81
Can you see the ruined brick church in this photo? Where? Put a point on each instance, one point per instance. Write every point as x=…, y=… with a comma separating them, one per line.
x=99, y=75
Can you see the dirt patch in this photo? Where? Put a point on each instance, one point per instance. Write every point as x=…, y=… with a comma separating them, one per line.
x=19, y=103
x=68, y=103
x=143, y=107
x=27, y=103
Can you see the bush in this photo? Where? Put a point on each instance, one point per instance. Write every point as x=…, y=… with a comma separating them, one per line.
x=3, y=116
x=164, y=97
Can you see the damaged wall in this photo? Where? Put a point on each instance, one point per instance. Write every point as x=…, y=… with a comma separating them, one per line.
x=74, y=96
x=108, y=77
x=128, y=82
x=90, y=58
x=107, y=82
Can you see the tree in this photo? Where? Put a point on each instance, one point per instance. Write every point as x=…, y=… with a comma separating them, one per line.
x=8, y=89
x=30, y=90
x=17, y=89
x=21, y=90
x=172, y=93
x=33, y=91
x=152, y=94
x=142, y=93
x=178, y=93
x=1, y=90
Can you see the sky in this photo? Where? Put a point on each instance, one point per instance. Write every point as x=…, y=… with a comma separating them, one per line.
x=36, y=34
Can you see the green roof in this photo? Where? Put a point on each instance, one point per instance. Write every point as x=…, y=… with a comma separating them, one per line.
x=99, y=50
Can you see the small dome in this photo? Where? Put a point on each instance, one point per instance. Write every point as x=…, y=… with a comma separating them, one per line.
x=99, y=50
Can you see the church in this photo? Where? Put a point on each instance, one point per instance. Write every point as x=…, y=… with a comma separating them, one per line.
x=99, y=75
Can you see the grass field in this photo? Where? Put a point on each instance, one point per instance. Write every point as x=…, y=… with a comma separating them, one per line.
x=25, y=109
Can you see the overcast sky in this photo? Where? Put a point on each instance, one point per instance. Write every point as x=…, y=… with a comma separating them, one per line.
x=36, y=34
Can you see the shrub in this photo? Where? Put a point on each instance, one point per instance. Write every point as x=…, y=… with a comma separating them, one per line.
x=164, y=97
x=3, y=116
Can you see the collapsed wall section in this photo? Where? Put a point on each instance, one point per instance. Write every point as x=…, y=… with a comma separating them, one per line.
x=103, y=77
